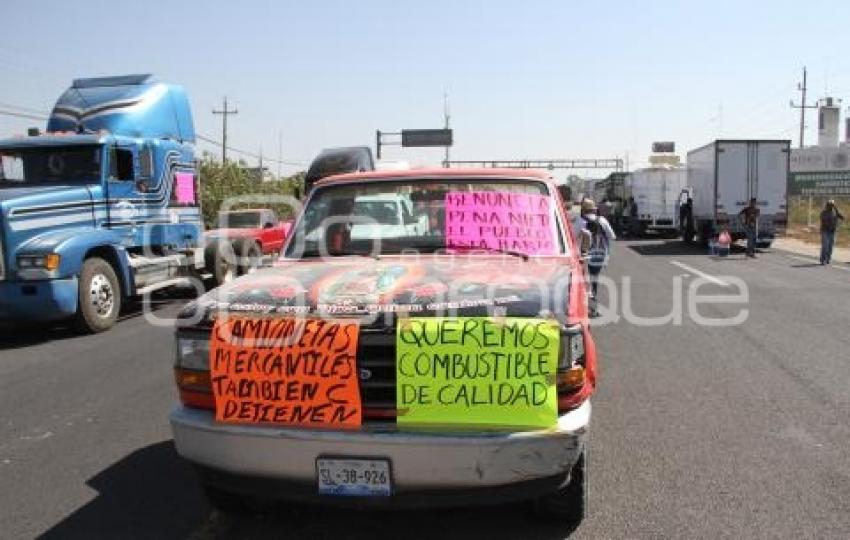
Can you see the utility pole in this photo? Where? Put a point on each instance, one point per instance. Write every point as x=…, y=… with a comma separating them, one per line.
x=279, y=151
x=446, y=118
x=803, y=106
x=261, y=164
x=224, y=112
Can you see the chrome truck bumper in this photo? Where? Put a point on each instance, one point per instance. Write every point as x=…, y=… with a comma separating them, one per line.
x=281, y=463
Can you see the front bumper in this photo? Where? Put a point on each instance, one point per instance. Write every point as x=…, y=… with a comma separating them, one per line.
x=38, y=300
x=280, y=462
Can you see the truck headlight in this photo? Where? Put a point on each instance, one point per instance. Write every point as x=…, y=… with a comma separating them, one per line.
x=571, y=372
x=191, y=372
x=49, y=262
x=572, y=347
x=193, y=353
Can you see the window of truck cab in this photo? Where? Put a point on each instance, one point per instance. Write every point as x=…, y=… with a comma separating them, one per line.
x=332, y=211
x=243, y=219
x=121, y=164
x=51, y=165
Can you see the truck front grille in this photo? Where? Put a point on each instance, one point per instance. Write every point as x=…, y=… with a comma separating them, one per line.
x=377, y=370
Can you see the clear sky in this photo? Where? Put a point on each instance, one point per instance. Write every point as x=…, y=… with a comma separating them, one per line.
x=525, y=79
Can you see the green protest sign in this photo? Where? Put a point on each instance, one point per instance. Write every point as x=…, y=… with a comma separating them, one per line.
x=820, y=184
x=477, y=372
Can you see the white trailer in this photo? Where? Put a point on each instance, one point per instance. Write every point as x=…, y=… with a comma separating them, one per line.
x=725, y=174
x=657, y=192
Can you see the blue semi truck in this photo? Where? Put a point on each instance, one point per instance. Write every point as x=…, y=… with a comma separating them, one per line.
x=104, y=206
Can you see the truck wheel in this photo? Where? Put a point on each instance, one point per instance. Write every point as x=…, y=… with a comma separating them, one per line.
x=220, y=261
x=99, y=296
x=569, y=503
x=250, y=257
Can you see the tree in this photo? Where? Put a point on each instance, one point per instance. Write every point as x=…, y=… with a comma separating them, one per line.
x=219, y=182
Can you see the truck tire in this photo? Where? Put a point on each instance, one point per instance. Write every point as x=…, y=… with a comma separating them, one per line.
x=220, y=261
x=569, y=503
x=250, y=257
x=99, y=297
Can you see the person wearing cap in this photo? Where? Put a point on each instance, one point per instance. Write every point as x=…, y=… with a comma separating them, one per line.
x=828, y=225
x=600, y=234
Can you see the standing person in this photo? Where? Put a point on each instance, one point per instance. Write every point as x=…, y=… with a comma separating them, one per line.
x=828, y=225
x=634, y=224
x=602, y=210
x=686, y=220
x=601, y=236
x=750, y=218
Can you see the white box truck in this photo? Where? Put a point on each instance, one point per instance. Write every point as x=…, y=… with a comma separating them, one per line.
x=725, y=174
x=657, y=192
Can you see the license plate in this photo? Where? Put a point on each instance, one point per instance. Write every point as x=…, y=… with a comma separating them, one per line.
x=353, y=477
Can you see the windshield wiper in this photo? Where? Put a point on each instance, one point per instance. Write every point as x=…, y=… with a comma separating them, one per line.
x=511, y=252
x=433, y=248
x=315, y=253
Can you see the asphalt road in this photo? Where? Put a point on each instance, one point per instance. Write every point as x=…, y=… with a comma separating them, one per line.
x=698, y=431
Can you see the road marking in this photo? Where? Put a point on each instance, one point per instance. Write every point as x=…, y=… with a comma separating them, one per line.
x=815, y=261
x=700, y=273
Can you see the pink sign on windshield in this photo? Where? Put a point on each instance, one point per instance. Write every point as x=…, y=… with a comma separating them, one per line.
x=500, y=220
x=184, y=185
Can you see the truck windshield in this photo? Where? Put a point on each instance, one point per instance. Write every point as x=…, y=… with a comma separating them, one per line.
x=383, y=217
x=239, y=220
x=384, y=212
x=54, y=165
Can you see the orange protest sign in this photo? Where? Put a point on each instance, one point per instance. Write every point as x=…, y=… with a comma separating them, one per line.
x=289, y=371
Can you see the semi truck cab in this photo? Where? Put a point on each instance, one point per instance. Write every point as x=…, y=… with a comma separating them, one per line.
x=102, y=206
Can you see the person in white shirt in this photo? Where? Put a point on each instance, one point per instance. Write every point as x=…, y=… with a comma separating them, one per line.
x=601, y=236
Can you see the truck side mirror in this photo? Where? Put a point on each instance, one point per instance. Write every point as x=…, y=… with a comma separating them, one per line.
x=146, y=163
x=113, y=164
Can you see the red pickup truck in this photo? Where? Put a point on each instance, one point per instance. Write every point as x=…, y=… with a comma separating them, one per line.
x=449, y=364
x=252, y=234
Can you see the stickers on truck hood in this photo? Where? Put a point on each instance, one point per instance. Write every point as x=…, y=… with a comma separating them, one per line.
x=289, y=371
x=477, y=372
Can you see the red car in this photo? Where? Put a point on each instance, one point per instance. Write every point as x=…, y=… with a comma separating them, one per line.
x=252, y=234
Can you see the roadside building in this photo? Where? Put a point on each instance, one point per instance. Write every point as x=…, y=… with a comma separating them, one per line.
x=820, y=172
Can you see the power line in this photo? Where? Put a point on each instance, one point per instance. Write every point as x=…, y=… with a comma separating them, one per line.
x=250, y=154
x=22, y=115
x=41, y=115
x=21, y=108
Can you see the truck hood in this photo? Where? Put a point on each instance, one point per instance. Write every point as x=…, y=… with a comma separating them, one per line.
x=28, y=209
x=372, y=290
x=12, y=193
